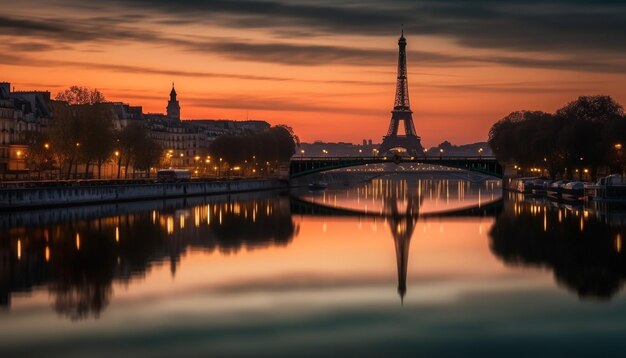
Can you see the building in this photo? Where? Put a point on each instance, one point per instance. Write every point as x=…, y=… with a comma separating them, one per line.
x=20, y=113
x=186, y=142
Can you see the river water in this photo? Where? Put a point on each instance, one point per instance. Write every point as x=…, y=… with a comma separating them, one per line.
x=400, y=265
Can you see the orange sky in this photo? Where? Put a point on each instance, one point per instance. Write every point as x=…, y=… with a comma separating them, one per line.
x=330, y=77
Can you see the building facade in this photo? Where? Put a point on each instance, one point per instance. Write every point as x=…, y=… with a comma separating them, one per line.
x=20, y=113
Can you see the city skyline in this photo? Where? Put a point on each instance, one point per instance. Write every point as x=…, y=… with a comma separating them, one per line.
x=314, y=66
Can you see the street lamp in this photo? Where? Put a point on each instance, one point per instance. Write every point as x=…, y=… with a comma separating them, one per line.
x=440, y=153
x=480, y=152
x=618, y=149
x=119, y=162
x=301, y=153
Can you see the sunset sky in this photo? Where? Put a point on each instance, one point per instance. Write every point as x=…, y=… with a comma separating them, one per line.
x=326, y=68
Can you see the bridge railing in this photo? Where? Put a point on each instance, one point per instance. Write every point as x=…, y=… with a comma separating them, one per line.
x=402, y=158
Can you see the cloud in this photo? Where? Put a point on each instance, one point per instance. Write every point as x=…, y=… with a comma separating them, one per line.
x=557, y=34
x=274, y=104
x=534, y=25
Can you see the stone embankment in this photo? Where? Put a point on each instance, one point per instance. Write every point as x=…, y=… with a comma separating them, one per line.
x=19, y=198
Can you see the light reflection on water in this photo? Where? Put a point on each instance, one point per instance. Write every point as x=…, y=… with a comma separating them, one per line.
x=407, y=264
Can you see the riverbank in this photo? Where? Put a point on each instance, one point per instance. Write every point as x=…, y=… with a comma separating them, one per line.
x=24, y=198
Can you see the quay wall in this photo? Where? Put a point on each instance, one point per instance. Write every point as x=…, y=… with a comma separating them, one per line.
x=79, y=195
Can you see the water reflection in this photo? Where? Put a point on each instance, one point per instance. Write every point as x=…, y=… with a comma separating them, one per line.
x=399, y=202
x=79, y=254
x=80, y=260
x=576, y=242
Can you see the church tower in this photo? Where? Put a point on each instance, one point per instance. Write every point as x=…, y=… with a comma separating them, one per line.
x=173, y=108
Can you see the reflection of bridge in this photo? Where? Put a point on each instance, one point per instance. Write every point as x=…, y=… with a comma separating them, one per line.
x=306, y=207
x=401, y=222
x=304, y=166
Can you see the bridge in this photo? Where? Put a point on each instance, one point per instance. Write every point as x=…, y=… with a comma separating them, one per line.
x=302, y=166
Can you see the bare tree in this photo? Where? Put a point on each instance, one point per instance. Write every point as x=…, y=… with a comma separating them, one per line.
x=80, y=95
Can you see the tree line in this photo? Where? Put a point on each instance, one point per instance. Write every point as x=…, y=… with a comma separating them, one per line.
x=586, y=134
x=269, y=148
x=82, y=132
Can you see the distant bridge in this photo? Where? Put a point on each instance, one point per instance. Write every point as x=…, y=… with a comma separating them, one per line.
x=301, y=166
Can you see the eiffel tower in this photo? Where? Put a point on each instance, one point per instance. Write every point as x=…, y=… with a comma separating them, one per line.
x=410, y=141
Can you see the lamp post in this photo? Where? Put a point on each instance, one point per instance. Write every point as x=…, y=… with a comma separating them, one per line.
x=618, y=149
x=480, y=152
x=440, y=153
x=119, y=162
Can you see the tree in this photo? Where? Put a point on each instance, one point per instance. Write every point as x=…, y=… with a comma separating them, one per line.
x=80, y=95
x=65, y=135
x=147, y=156
x=137, y=148
x=97, y=142
x=81, y=128
x=586, y=133
x=39, y=156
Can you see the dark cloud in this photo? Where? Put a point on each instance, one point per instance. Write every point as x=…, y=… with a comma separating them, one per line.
x=533, y=25
x=554, y=34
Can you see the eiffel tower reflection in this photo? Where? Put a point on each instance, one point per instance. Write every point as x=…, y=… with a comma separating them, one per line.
x=402, y=224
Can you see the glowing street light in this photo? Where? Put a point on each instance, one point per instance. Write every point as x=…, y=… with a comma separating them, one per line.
x=46, y=145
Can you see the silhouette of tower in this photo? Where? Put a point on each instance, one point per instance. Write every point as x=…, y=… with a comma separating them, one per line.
x=409, y=141
x=402, y=228
x=173, y=108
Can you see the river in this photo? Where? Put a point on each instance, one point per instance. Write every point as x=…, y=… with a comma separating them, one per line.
x=400, y=265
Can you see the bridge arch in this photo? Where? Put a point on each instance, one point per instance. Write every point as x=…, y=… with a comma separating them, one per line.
x=300, y=167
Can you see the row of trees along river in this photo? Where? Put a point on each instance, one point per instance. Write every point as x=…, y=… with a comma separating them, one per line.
x=82, y=132
x=584, y=136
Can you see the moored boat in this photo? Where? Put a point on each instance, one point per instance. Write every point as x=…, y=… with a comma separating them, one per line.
x=612, y=187
x=554, y=189
x=574, y=191
x=318, y=185
x=540, y=187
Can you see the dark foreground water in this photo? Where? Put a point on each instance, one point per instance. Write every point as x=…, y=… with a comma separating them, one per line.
x=395, y=267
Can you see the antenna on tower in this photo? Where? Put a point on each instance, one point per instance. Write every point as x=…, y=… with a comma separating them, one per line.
x=402, y=28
